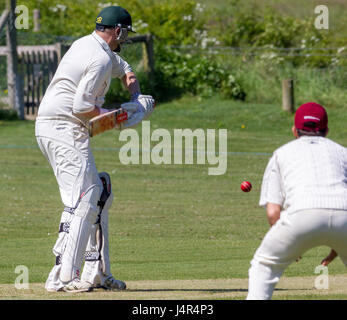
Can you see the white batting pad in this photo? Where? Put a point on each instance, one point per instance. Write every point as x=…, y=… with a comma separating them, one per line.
x=85, y=216
x=97, y=266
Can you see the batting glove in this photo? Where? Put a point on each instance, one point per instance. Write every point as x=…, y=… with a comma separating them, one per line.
x=138, y=110
x=146, y=103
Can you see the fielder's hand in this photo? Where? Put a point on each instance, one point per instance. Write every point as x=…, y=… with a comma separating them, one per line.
x=138, y=110
x=331, y=256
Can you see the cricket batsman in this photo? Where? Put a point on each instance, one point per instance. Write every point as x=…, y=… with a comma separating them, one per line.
x=75, y=95
x=304, y=191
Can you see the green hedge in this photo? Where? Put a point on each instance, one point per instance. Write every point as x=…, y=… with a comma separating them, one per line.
x=177, y=23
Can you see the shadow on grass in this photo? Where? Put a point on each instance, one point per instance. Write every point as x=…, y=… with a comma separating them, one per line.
x=207, y=290
x=187, y=290
x=8, y=114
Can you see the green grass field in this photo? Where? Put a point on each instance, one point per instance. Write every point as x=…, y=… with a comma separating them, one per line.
x=167, y=222
x=295, y=8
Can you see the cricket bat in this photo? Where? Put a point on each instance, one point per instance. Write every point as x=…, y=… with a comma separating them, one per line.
x=106, y=121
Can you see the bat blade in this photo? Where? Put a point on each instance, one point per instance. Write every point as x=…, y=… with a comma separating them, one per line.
x=106, y=121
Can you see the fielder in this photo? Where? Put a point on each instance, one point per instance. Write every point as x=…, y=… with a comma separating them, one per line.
x=74, y=96
x=304, y=191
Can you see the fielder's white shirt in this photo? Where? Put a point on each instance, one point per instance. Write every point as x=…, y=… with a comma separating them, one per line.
x=82, y=78
x=307, y=173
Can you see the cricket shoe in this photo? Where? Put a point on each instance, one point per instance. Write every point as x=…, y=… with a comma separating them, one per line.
x=78, y=285
x=113, y=284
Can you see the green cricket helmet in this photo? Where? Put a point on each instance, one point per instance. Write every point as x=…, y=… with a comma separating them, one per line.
x=114, y=16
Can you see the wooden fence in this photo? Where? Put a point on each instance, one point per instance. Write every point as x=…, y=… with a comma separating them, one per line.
x=36, y=68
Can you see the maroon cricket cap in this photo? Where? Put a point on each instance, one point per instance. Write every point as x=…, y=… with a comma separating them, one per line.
x=311, y=112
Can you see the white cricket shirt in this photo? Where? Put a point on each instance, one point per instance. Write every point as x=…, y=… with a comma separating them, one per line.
x=82, y=78
x=307, y=173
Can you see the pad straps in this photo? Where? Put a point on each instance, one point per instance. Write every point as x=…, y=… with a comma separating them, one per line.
x=65, y=226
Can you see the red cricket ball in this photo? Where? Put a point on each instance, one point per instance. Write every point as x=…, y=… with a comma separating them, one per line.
x=246, y=186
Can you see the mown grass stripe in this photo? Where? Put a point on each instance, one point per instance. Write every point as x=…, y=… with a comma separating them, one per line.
x=234, y=153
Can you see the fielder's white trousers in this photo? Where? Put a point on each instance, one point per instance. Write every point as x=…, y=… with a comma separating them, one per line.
x=65, y=144
x=288, y=239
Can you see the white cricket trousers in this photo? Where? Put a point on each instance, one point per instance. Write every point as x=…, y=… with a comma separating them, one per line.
x=291, y=236
x=65, y=144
